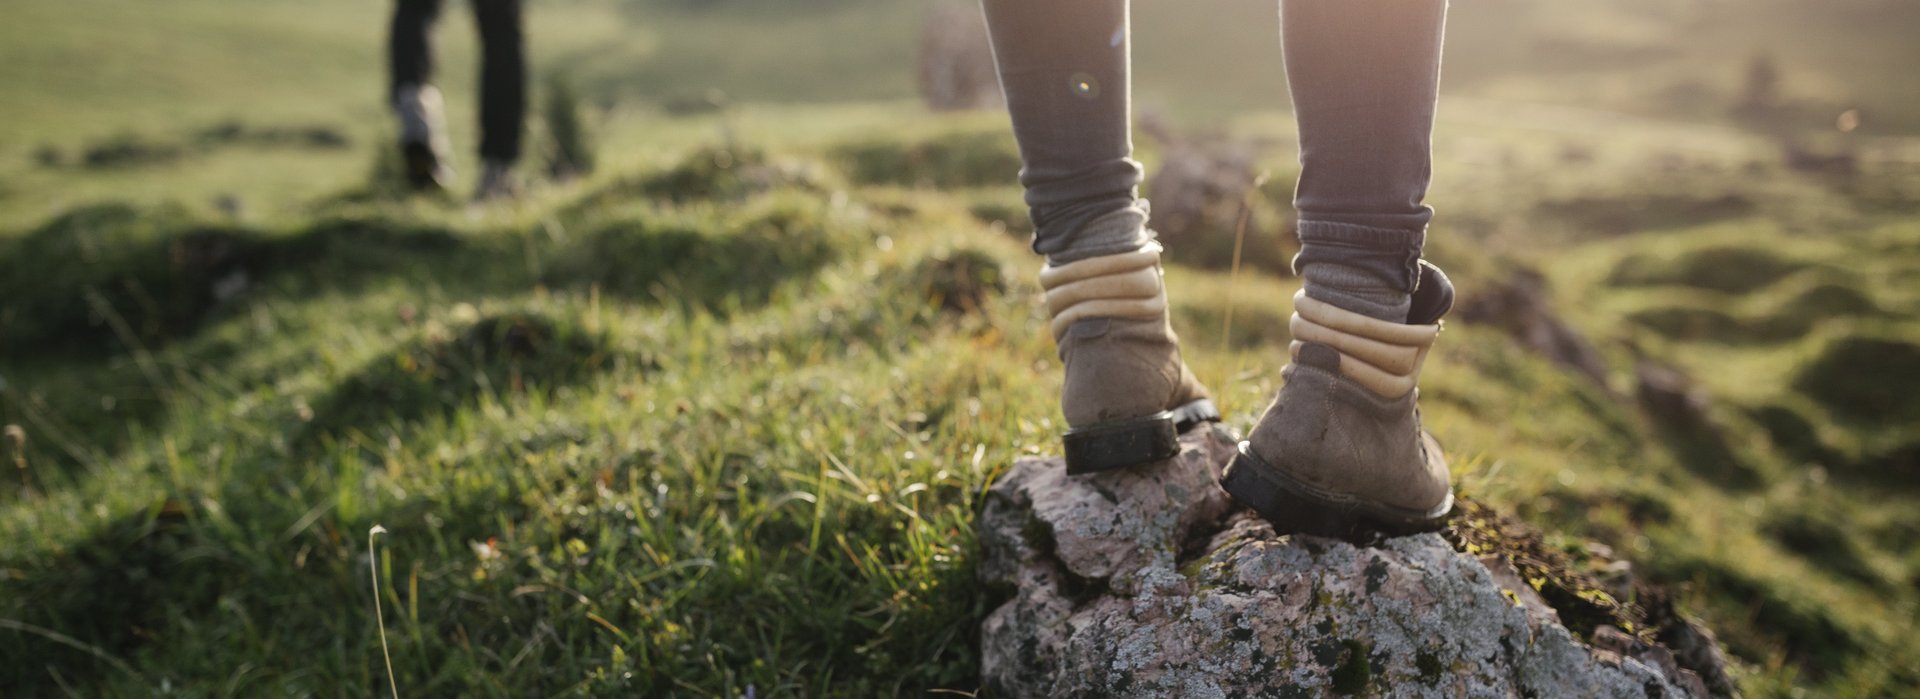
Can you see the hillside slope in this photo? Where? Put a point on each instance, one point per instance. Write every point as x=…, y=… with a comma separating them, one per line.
x=725, y=423
x=720, y=416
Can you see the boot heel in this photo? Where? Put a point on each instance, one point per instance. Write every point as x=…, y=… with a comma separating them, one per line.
x=1121, y=444
x=1297, y=508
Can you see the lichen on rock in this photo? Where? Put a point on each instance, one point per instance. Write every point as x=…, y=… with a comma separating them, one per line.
x=1149, y=583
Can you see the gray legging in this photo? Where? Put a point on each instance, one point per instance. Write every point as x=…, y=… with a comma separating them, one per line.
x=1363, y=74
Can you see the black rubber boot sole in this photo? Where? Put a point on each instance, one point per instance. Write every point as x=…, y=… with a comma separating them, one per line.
x=1293, y=507
x=1126, y=443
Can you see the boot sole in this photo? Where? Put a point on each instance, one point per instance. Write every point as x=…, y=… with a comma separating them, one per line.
x=1121, y=444
x=1293, y=507
x=423, y=167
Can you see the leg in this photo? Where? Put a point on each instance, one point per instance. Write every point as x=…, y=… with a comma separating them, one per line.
x=423, y=139
x=1341, y=449
x=410, y=45
x=1127, y=394
x=503, y=79
x=1364, y=76
x=1064, y=68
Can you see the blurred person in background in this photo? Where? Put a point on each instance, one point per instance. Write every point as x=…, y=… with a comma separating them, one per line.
x=1341, y=447
x=421, y=111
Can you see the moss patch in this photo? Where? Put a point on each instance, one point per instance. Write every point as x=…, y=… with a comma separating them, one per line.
x=1355, y=671
x=1584, y=606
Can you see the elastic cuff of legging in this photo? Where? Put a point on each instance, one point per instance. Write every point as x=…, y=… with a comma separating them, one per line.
x=1081, y=253
x=1108, y=181
x=1389, y=255
x=1112, y=233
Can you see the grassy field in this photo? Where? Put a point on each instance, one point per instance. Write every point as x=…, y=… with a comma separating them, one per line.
x=715, y=420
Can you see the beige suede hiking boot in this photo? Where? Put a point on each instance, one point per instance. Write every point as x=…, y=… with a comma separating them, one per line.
x=423, y=137
x=1127, y=395
x=1341, y=451
x=497, y=182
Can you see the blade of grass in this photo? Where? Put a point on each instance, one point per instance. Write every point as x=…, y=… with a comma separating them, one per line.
x=74, y=643
x=373, y=573
x=1233, y=273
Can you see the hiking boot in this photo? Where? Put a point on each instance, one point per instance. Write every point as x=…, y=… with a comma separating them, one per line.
x=423, y=137
x=1127, y=396
x=497, y=181
x=1341, y=451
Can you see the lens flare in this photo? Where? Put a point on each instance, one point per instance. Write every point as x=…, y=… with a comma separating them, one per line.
x=1084, y=85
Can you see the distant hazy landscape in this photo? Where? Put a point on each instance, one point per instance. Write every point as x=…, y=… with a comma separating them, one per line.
x=718, y=415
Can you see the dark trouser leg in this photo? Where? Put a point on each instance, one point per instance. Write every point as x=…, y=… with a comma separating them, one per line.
x=503, y=79
x=410, y=44
x=1341, y=450
x=1364, y=76
x=1064, y=68
x=1126, y=394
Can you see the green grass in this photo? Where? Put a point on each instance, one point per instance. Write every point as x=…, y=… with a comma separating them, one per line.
x=718, y=415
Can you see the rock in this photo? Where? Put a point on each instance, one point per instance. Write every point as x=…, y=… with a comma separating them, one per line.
x=1802, y=157
x=1693, y=645
x=1149, y=583
x=1206, y=195
x=1682, y=412
x=1201, y=184
x=956, y=61
x=1519, y=306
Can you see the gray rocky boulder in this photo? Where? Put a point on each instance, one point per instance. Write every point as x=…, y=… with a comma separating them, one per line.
x=1150, y=583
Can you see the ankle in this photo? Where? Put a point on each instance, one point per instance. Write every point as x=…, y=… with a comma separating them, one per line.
x=1120, y=231
x=1370, y=271
x=1124, y=285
